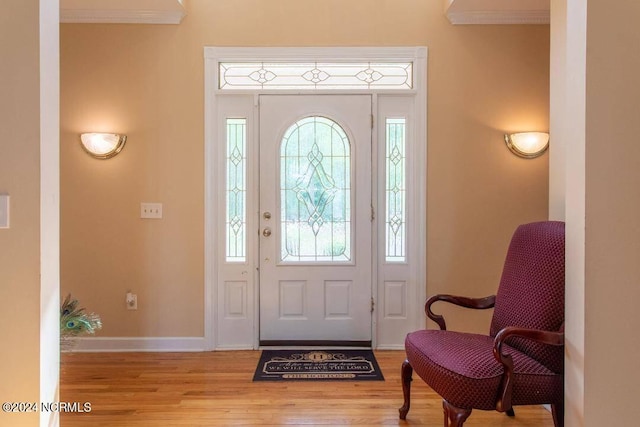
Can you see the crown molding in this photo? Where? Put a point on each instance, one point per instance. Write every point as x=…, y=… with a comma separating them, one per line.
x=538, y=17
x=121, y=16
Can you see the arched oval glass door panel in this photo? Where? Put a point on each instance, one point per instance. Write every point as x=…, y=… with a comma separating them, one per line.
x=315, y=192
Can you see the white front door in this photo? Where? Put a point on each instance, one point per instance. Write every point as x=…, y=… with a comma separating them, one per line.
x=315, y=219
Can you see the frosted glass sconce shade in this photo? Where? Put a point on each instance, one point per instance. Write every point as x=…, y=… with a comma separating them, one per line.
x=103, y=145
x=527, y=144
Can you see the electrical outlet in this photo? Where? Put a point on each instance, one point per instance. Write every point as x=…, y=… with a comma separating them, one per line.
x=151, y=210
x=132, y=301
x=4, y=211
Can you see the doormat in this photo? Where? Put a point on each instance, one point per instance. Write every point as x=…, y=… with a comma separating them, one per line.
x=323, y=365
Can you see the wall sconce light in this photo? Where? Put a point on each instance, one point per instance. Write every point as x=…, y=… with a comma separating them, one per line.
x=527, y=144
x=103, y=145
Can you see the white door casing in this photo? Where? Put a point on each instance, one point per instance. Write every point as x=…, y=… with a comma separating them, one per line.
x=231, y=289
x=315, y=218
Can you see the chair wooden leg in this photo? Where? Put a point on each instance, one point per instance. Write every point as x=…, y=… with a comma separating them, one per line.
x=454, y=416
x=407, y=372
x=511, y=413
x=557, y=411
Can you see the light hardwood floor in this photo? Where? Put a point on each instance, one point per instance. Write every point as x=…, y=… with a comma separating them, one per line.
x=216, y=389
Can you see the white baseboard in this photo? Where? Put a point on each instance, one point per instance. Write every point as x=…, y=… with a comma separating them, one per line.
x=162, y=344
x=152, y=344
x=390, y=347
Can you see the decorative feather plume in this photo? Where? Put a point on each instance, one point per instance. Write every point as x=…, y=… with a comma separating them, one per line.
x=74, y=321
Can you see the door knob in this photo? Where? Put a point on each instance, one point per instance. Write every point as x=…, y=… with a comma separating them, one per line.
x=266, y=232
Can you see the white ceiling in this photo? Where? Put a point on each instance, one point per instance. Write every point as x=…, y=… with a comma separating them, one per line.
x=497, y=11
x=172, y=11
x=123, y=11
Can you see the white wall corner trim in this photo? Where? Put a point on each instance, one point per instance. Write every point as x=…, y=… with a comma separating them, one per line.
x=49, y=72
x=151, y=344
x=120, y=16
x=539, y=17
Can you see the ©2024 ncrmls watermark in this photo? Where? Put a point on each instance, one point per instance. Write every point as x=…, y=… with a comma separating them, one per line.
x=20, y=407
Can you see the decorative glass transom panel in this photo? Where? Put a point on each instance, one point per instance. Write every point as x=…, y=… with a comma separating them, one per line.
x=395, y=165
x=315, y=75
x=315, y=192
x=236, y=190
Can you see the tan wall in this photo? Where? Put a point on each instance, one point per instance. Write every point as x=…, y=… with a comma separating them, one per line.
x=147, y=81
x=19, y=177
x=612, y=320
x=557, y=110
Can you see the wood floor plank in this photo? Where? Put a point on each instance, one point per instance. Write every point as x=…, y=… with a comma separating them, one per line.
x=216, y=389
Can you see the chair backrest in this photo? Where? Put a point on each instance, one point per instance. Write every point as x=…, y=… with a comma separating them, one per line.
x=531, y=292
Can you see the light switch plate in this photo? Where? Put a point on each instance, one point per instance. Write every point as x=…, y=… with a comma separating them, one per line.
x=151, y=210
x=4, y=211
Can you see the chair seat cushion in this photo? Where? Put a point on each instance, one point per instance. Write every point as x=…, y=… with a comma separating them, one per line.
x=461, y=368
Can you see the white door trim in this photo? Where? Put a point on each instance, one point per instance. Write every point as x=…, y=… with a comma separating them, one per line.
x=213, y=97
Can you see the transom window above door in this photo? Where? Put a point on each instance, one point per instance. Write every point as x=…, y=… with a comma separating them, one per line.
x=315, y=75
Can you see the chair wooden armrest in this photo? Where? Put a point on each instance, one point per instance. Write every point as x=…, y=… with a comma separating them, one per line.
x=476, y=303
x=544, y=337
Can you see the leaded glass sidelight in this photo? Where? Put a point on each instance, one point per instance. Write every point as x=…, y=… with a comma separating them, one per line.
x=315, y=192
x=236, y=190
x=395, y=190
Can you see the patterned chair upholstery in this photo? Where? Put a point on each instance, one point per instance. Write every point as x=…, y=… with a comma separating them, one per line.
x=521, y=361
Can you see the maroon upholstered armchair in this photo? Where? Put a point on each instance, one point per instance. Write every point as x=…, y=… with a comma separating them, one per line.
x=521, y=361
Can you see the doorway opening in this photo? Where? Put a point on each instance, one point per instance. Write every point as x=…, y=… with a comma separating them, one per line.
x=315, y=196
